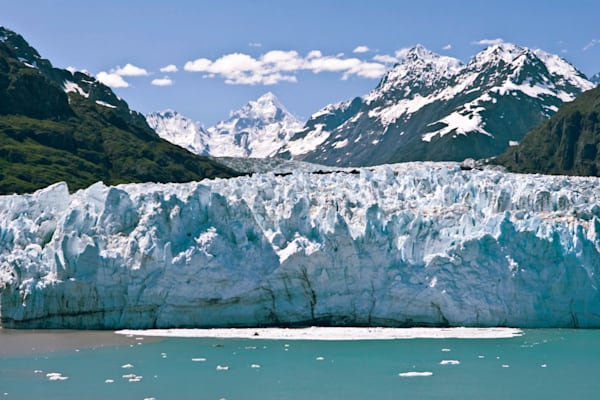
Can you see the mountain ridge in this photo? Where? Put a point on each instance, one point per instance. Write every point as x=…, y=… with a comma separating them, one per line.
x=432, y=107
x=258, y=129
x=56, y=125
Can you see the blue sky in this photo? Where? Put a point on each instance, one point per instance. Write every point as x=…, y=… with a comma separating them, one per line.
x=217, y=55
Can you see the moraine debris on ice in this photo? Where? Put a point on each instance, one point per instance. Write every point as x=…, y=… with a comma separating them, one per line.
x=402, y=245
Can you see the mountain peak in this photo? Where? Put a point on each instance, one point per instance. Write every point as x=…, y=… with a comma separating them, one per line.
x=417, y=67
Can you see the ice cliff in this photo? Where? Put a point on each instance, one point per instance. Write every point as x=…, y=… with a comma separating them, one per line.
x=408, y=244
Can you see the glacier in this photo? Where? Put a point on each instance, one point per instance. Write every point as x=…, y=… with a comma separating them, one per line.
x=415, y=244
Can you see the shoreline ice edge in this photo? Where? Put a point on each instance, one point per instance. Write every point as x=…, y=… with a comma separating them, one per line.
x=330, y=333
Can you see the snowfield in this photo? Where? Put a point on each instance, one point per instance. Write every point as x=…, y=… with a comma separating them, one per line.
x=416, y=244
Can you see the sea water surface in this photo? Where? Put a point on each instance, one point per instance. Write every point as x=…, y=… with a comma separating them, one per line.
x=532, y=364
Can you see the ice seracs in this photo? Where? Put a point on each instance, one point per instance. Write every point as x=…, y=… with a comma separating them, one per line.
x=408, y=244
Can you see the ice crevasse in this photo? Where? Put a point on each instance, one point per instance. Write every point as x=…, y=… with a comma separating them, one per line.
x=401, y=245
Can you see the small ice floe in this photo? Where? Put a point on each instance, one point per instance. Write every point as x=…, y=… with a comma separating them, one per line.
x=149, y=398
x=445, y=350
x=133, y=377
x=56, y=376
x=250, y=348
x=127, y=366
x=481, y=357
x=222, y=368
x=320, y=358
x=38, y=371
x=109, y=381
x=544, y=365
x=199, y=359
x=505, y=366
x=255, y=366
x=449, y=362
x=413, y=374
x=163, y=355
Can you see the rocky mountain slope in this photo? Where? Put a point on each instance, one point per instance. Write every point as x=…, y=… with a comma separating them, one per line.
x=259, y=130
x=431, y=107
x=595, y=78
x=61, y=126
x=402, y=245
x=567, y=144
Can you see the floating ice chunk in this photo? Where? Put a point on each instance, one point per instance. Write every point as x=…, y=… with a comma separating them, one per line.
x=413, y=374
x=481, y=357
x=109, y=381
x=56, y=376
x=38, y=371
x=505, y=366
x=199, y=359
x=449, y=362
x=255, y=366
x=544, y=365
x=320, y=358
x=446, y=350
x=222, y=367
x=127, y=366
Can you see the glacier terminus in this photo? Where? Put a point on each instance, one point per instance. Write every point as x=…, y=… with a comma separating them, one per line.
x=409, y=244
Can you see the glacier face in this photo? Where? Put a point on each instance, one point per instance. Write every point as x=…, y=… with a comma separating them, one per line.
x=407, y=244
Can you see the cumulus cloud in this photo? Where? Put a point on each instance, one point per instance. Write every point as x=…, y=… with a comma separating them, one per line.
x=165, y=81
x=361, y=49
x=112, y=80
x=130, y=70
x=489, y=42
x=277, y=66
x=385, y=58
x=591, y=44
x=169, y=68
x=447, y=47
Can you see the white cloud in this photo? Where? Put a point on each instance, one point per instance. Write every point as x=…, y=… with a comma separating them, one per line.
x=254, y=44
x=489, y=42
x=166, y=81
x=112, y=80
x=591, y=44
x=277, y=66
x=169, y=68
x=199, y=65
x=385, y=58
x=130, y=70
x=447, y=47
x=361, y=49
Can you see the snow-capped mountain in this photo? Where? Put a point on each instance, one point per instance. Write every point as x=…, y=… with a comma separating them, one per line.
x=179, y=130
x=406, y=244
x=431, y=107
x=259, y=129
x=595, y=78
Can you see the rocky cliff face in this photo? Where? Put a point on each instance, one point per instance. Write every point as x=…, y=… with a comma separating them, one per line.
x=566, y=144
x=413, y=244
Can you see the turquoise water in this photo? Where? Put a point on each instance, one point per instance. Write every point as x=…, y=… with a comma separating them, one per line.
x=541, y=364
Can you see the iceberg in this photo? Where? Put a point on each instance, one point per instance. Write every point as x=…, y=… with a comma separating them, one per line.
x=415, y=244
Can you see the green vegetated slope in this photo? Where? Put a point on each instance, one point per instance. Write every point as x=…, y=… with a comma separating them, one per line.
x=566, y=144
x=61, y=126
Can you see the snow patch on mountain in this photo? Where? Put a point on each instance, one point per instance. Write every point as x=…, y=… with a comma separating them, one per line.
x=179, y=130
x=408, y=244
